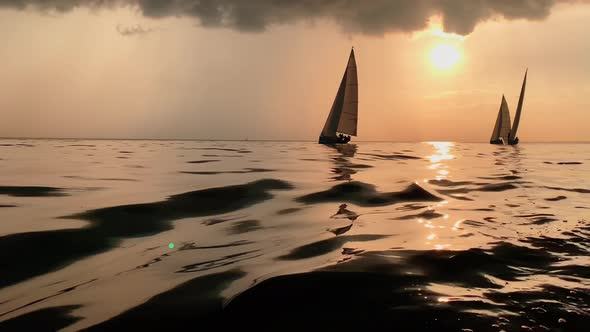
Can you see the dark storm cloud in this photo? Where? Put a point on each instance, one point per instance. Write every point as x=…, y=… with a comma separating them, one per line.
x=60, y=5
x=366, y=16
x=371, y=17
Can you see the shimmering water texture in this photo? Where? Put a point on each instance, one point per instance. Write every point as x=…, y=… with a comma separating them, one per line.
x=182, y=235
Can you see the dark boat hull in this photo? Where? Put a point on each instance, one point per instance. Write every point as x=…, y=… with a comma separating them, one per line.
x=501, y=142
x=332, y=140
x=497, y=141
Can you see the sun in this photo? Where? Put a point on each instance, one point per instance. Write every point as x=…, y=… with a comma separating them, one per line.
x=445, y=56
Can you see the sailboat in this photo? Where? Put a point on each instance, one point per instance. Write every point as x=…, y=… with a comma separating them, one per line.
x=343, y=117
x=502, y=133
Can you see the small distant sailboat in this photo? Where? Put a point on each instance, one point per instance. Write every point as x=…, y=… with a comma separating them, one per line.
x=503, y=133
x=343, y=117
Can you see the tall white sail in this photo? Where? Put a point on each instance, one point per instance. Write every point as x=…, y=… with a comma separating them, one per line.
x=349, y=117
x=498, y=126
x=343, y=117
x=502, y=127
x=505, y=127
x=518, y=110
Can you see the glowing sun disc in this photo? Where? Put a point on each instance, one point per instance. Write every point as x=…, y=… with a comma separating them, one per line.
x=445, y=56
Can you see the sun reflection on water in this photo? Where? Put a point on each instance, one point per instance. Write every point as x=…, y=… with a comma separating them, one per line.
x=441, y=154
x=435, y=166
x=441, y=246
x=442, y=151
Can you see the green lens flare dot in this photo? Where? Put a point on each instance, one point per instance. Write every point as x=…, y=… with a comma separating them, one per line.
x=171, y=245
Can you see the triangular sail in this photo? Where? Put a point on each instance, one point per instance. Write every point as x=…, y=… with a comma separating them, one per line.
x=497, y=127
x=518, y=110
x=502, y=127
x=349, y=117
x=343, y=116
x=505, y=127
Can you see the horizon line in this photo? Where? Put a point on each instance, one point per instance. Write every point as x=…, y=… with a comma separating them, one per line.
x=254, y=140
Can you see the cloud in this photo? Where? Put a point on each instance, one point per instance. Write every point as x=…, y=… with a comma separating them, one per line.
x=61, y=6
x=133, y=30
x=365, y=16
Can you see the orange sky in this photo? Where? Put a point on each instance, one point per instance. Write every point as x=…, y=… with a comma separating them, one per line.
x=73, y=74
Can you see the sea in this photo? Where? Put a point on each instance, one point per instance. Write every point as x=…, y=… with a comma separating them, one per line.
x=109, y=235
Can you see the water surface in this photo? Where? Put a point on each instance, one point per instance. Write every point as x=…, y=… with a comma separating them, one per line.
x=286, y=236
